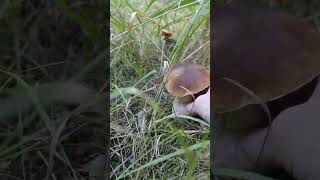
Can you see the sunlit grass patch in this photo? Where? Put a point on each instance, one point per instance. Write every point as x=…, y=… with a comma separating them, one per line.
x=147, y=140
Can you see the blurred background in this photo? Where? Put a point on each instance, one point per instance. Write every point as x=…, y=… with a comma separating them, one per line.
x=307, y=11
x=53, y=89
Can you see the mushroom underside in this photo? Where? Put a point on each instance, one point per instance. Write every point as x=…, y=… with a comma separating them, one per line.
x=253, y=116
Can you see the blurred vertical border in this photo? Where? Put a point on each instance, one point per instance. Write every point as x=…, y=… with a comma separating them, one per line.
x=54, y=89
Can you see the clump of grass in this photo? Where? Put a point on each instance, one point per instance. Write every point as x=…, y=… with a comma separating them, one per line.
x=147, y=140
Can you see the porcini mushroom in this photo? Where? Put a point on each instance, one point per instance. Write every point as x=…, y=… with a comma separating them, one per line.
x=187, y=81
x=271, y=53
x=166, y=33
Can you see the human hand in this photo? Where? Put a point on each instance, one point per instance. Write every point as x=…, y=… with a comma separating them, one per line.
x=289, y=144
x=200, y=106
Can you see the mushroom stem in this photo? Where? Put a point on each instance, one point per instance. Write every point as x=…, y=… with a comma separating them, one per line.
x=183, y=108
x=186, y=99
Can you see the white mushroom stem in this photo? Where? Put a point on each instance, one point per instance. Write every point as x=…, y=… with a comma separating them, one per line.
x=183, y=109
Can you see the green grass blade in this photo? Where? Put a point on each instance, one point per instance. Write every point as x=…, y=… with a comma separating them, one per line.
x=182, y=4
x=164, y=158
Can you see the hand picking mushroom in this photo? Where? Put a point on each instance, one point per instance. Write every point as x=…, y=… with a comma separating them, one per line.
x=187, y=82
x=277, y=58
x=200, y=107
x=292, y=144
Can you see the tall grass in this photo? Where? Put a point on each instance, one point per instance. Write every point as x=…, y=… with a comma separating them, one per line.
x=148, y=141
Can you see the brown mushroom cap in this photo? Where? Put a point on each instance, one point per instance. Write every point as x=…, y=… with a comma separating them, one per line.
x=166, y=33
x=192, y=77
x=268, y=52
